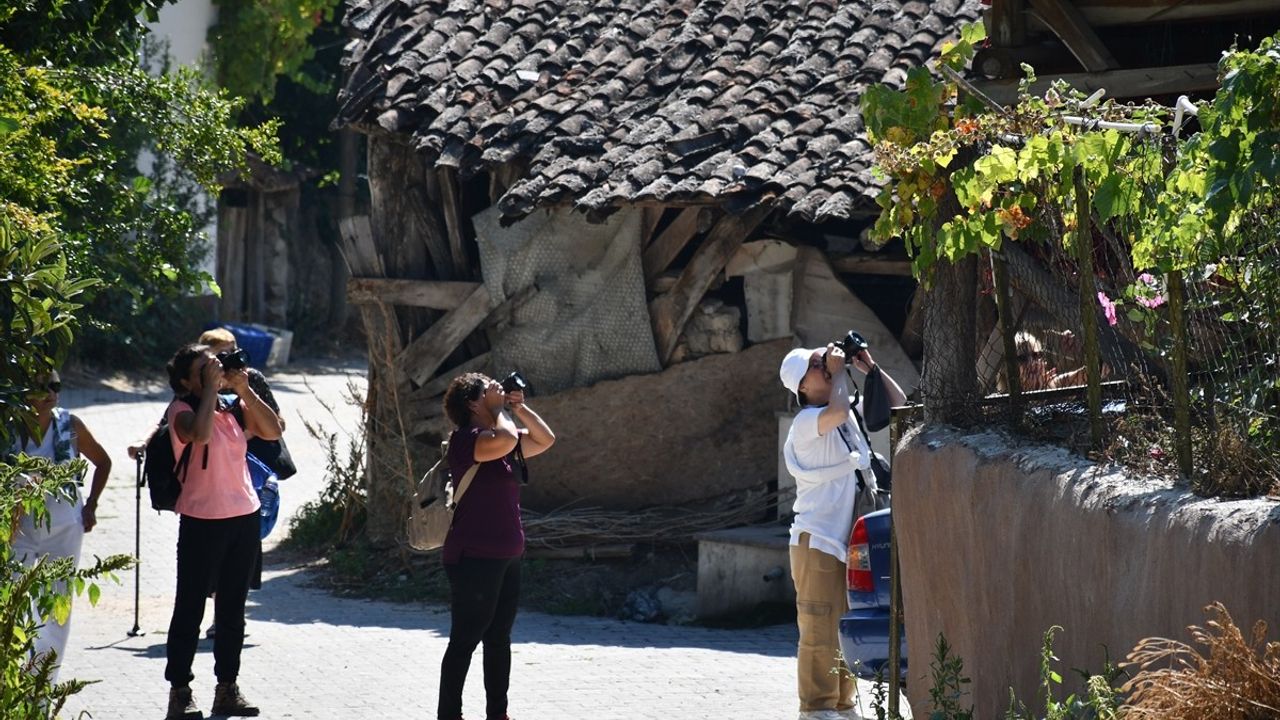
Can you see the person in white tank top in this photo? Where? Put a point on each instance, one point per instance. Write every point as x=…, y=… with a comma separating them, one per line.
x=64, y=437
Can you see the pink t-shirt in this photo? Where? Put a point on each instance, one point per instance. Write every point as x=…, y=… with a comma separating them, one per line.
x=220, y=488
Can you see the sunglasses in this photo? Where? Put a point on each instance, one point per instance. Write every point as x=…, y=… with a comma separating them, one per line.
x=52, y=386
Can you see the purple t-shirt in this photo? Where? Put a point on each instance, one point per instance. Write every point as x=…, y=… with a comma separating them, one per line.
x=486, y=523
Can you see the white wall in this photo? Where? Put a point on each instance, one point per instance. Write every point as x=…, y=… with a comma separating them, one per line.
x=183, y=27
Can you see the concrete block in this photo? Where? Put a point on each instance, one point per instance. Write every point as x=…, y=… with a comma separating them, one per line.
x=740, y=568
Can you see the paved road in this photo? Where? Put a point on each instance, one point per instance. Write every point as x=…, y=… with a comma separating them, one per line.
x=313, y=655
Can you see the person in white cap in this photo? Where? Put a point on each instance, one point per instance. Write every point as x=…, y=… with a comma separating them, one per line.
x=823, y=451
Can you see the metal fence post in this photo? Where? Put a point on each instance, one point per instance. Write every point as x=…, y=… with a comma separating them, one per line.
x=1181, y=392
x=1088, y=307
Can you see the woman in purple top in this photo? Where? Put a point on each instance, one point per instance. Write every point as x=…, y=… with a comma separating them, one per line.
x=483, y=548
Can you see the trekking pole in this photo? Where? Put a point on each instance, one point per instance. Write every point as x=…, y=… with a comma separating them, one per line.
x=137, y=547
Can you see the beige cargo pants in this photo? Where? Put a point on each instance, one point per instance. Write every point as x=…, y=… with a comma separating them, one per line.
x=821, y=598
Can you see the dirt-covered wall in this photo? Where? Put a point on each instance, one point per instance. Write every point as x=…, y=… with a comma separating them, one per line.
x=1001, y=540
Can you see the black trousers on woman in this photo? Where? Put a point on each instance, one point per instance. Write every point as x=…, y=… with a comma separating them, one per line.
x=211, y=554
x=483, y=598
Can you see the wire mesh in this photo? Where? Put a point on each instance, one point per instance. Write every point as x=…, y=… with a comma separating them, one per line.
x=1034, y=299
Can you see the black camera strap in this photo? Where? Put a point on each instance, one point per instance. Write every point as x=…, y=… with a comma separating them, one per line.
x=524, y=466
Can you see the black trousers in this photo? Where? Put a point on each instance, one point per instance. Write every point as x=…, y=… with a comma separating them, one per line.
x=483, y=598
x=211, y=554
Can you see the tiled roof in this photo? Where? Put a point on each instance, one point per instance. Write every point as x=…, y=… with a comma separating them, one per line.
x=733, y=102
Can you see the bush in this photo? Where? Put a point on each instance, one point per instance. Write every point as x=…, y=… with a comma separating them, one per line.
x=39, y=594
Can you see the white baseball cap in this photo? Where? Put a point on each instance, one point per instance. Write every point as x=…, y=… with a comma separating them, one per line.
x=794, y=366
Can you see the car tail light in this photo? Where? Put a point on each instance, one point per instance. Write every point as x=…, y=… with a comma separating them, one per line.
x=859, y=563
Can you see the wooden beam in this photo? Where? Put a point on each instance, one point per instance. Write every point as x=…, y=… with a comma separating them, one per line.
x=451, y=201
x=671, y=311
x=436, y=294
x=420, y=360
x=1145, y=82
x=668, y=245
x=437, y=385
x=358, y=248
x=1070, y=26
x=1007, y=22
x=867, y=264
x=422, y=199
x=649, y=219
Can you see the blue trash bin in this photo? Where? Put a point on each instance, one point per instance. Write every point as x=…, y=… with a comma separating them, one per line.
x=253, y=341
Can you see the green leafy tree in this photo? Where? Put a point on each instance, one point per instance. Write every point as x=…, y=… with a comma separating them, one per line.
x=258, y=41
x=78, y=115
x=1205, y=206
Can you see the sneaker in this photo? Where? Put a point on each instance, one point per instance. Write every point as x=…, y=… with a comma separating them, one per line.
x=227, y=700
x=182, y=705
x=850, y=714
x=822, y=715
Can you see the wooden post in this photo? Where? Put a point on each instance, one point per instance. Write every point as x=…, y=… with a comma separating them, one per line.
x=451, y=201
x=1179, y=381
x=1088, y=308
x=1008, y=328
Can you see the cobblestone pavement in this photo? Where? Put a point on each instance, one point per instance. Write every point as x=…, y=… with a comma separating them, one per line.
x=310, y=654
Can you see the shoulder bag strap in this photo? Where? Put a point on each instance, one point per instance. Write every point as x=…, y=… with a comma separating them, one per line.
x=464, y=483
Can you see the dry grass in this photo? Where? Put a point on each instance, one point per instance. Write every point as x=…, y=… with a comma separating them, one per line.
x=1238, y=678
x=1233, y=467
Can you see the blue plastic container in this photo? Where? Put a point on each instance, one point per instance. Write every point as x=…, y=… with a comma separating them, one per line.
x=253, y=341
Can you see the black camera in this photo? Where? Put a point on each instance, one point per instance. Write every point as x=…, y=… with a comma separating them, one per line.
x=851, y=344
x=513, y=382
x=236, y=359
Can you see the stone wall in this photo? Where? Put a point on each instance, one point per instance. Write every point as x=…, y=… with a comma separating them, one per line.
x=1000, y=540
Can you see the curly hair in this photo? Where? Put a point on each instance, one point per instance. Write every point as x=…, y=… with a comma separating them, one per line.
x=463, y=390
x=179, y=366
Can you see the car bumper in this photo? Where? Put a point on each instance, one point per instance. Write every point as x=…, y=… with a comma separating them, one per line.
x=864, y=641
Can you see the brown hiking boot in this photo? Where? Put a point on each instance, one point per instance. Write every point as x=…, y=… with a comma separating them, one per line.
x=182, y=706
x=227, y=700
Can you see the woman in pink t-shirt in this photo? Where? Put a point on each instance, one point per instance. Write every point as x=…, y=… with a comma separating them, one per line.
x=218, y=529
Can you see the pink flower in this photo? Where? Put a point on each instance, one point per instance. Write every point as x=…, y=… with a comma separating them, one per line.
x=1147, y=279
x=1151, y=302
x=1108, y=307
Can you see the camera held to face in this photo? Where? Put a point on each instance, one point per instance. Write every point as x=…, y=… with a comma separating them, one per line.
x=513, y=382
x=236, y=359
x=852, y=344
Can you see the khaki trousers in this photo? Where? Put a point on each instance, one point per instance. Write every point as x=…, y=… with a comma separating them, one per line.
x=821, y=598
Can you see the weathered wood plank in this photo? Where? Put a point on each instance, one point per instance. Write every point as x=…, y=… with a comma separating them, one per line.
x=650, y=217
x=429, y=395
x=671, y=311
x=1070, y=25
x=358, y=248
x=1008, y=25
x=451, y=201
x=437, y=294
x=1142, y=82
x=668, y=245
x=866, y=264
x=423, y=357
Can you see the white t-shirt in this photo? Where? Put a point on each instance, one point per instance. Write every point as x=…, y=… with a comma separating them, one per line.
x=826, y=484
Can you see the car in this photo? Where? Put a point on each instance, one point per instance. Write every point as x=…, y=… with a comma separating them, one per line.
x=864, y=629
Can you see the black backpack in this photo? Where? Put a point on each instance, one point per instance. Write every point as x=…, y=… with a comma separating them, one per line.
x=162, y=473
